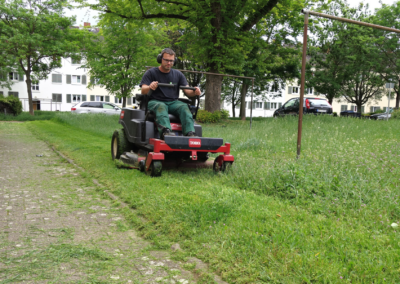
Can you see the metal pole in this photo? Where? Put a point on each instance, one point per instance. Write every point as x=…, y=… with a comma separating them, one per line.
x=302, y=86
x=387, y=112
x=350, y=21
x=251, y=104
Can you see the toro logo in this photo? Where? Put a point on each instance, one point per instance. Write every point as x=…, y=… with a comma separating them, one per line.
x=122, y=114
x=195, y=143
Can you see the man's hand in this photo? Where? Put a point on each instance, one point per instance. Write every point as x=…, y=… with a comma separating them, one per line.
x=197, y=91
x=153, y=85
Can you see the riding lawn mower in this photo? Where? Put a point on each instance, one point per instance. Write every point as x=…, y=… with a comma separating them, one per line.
x=138, y=144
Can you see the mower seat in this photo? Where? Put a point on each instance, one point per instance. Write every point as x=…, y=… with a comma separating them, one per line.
x=172, y=118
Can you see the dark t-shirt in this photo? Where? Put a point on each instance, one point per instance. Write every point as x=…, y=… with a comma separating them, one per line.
x=165, y=94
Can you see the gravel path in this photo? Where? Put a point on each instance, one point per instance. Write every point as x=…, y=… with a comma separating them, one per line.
x=59, y=227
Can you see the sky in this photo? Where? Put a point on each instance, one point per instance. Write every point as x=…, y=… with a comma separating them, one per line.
x=87, y=15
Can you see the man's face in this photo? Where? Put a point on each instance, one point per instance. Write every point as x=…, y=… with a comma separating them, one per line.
x=167, y=61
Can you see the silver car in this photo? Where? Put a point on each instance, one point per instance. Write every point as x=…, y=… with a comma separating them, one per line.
x=96, y=107
x=382, y=116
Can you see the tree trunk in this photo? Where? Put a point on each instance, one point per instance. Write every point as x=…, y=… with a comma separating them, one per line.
x=123, y=101
x=29, y=86
x=359, y=105
x=398, y=99
x=233, y=108
x=213, y=92
x=243, y=93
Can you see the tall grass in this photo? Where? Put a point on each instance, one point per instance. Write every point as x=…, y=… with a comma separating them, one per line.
x=325, y=217
x=25, y=116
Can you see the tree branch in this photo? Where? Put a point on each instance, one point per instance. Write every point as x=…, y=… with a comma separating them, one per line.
x=257, y=16
x=173, y=2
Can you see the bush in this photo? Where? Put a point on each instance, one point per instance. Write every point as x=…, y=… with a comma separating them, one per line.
x=208, y=117
x=11, y=103
x=224, y=114
x=395, y=114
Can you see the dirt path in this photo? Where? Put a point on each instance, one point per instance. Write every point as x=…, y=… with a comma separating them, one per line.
x=58, y=227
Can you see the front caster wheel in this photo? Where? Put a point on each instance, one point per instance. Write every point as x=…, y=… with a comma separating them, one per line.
x=155, y=169
x=224, y=167
x=142, y=165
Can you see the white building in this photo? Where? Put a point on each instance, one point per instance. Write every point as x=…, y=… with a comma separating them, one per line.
x=63, y=88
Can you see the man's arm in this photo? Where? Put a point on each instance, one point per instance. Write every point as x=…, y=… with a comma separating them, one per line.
x=146, y=88
x=191, y=93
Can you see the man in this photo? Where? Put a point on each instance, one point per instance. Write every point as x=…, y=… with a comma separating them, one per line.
x=164, y=100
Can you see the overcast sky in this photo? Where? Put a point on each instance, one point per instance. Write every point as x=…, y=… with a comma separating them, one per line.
x=87, y=15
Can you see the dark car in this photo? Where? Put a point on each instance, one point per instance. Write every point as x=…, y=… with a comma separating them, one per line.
x=350, y=113
x=310, y=105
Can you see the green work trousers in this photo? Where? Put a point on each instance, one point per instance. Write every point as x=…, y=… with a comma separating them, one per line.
x=177, y=108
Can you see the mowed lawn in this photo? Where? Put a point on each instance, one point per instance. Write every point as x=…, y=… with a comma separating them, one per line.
x=324, y=218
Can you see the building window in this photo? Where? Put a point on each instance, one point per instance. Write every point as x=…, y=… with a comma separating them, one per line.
x=76, y=98
x=273, y=105
x=293, y=90
x=14, y=76
x=56, y=78
x=57, y=98
x=374, y=108
x=354, y=108
x=35, y=87
x=258, y=105
x=99, y=98
x=76, y=79
x=13, y=94
x=267, y=105
x=343, y=107
x=309, y=91
x=75, y=61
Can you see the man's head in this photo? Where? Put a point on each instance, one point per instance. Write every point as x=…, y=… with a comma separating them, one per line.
x=167, y=59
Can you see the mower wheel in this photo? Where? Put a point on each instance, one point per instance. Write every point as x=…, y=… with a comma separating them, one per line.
x=155, y=169
x=225, y=167
x=142, y=165
x=119, y=144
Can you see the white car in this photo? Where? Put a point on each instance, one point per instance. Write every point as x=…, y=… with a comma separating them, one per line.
x=96, y=107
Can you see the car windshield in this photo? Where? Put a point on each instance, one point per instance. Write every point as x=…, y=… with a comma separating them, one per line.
x=318, y=102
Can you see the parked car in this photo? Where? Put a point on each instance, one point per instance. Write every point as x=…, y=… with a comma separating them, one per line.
x=382, y=115
x=96, y=107
x=310, y=105
x=350, y=113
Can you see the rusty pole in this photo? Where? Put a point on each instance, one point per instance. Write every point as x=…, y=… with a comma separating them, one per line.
x=349, y=21
x=302, y=86
x=251, y=103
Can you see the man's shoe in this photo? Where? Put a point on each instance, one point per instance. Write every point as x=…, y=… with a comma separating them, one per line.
x=167, y=132
x=191, y=134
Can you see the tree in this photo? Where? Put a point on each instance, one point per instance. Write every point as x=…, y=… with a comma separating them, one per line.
x=221, y=27
x=231, y=92
x=346, y=60
x=117, y=54
x=35, y=35
x=388, y=44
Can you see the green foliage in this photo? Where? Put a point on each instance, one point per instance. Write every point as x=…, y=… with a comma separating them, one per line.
x=117, y=55
x=224, y=114
x=344, y=59
x=395, y=114
x=211, y=117
x=12, y=103
x=220, y=33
